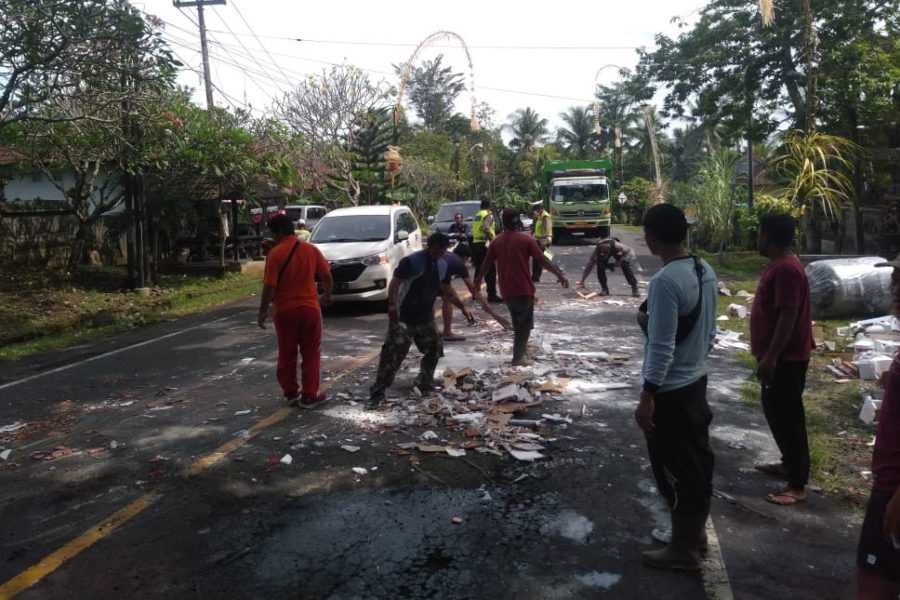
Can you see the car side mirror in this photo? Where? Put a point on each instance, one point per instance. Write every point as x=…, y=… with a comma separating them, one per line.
x=402, y=235
x=431, y=219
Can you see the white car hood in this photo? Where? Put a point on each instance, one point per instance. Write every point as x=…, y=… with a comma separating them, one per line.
x=350, y=250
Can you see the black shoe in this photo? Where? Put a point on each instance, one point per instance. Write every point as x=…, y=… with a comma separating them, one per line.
x=495, y=299
x=375, y=400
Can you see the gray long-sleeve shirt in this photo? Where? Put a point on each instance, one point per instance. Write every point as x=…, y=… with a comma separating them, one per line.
x=673, y=293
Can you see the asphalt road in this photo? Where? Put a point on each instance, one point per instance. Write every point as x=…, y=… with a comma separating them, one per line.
x=167, y=480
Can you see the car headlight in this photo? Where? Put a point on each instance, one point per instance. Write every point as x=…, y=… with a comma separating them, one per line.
x=377, y=259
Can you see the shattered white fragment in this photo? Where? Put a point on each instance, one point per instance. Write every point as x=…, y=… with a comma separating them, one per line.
x=472, y=417
x=5, y=454
x=737, y=311
x=557, y=418
x=13, y=428
x=287, y=459
x=360, y=471
x=247, y=361
x=456, y=452
x=869, y=409
x=241, y=413
x=525, y=455
x=429, y=435
x=350, y=449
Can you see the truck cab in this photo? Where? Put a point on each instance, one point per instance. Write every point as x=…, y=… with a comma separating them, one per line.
x=578, y=197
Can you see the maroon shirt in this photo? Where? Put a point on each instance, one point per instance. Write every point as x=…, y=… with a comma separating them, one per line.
x=513, y=252
x=886, y=458
x=782, y=284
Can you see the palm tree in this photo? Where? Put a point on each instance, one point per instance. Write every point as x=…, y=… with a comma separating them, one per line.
x=529, y=130
x=578, y=139
x=814, y=167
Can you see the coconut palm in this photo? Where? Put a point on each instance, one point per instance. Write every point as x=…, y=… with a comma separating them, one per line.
x=529, y=130
x=578, y=138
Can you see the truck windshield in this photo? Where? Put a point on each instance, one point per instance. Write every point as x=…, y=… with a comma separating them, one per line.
x=571, y=193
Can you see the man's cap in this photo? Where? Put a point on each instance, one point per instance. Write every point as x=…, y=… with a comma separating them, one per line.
x=891, y=263
x=301, y=222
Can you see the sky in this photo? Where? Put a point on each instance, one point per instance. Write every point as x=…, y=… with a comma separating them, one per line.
x=523, y=53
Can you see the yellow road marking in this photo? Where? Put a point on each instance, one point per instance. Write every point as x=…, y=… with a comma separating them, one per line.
x=54, y=560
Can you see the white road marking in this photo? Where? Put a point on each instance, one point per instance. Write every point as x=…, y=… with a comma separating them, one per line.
x=715, y=576
x=114, y=352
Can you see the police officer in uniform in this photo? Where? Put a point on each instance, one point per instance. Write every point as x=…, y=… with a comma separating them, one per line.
x=543, y=233
x=483, y=232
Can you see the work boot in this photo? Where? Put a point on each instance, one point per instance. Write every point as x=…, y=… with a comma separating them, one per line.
x=663, y=535
x=375, y=400
x=495, y=299
x=635, y=292
x=309, y=401
x=684, y=552
x=604, y=292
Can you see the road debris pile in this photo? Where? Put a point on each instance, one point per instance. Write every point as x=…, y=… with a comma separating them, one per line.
x=510, y=411
x=874, y=342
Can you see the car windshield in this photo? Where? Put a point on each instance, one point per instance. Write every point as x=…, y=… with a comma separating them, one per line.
x=352, y=228
x=447, y=211
x=580, y=192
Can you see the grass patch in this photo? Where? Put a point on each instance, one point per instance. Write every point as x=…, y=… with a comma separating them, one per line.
x=37, y=315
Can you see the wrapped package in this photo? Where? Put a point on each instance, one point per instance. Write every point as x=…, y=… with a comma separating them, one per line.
x=849, y=288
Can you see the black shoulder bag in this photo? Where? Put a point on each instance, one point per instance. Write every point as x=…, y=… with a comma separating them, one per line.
x=687, y=322
x=287, y=261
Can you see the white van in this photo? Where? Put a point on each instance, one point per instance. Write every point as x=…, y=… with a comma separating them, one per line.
x=309, y=214
x=364, y=245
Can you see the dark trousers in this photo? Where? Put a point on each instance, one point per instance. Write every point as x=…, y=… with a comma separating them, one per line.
x=679, y=449
x=521, y=312
x=479, y=252
x=782, y=401
x=626, y=271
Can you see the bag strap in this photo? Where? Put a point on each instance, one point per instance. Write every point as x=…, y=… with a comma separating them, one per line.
x=286, y=262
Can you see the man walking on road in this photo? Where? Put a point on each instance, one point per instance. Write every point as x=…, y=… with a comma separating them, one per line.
x=679, y=318
x=419, y=279
x=457, y=268
x=781, y=339
x=624, y=256
x=878, y=556
x=292, y=266
x=543, y=233
x=483, y=233
x=512, y=251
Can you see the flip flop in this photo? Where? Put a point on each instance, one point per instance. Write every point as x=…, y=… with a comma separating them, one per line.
x=773, y=469
x=454, y=338
x=785, y=498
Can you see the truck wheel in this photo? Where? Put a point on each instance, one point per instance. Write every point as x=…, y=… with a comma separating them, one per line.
x=603, y=232
x=558, y=235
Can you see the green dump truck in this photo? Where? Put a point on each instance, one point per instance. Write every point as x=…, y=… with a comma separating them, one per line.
x=578, y=197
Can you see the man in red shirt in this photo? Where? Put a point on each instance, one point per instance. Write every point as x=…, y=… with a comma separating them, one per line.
x=290, y=281
x=878, y=556
x=513, y=252
x=781, y=339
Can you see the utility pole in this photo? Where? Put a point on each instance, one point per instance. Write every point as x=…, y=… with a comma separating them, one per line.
x=204, y=50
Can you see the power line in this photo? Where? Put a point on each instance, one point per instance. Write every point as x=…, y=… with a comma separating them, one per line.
x=258, y=41
x=472, y=46
x=247, y=50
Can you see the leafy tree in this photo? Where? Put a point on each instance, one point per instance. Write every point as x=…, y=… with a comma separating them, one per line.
x=324, y=110
x=529, y=130
x=578, y=138
x=375, y=131
x=814, y=167
x=433, y=89
x=715, y=194
x=53, y=50
x=429, y=183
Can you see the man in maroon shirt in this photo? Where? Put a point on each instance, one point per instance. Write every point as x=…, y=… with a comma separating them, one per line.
x=513, y=251
x=781, y=340
x=878, y=555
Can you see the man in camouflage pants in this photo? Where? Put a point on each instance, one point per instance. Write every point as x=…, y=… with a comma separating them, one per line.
x=419, y=279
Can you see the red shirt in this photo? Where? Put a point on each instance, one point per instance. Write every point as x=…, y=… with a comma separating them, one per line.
x=513, y=252
x=782, y=284
x=886, y=458
x=297, y=287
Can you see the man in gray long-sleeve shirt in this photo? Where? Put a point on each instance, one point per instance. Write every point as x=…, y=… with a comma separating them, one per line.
x=680, y=323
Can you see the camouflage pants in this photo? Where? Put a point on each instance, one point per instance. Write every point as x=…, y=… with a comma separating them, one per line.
x=400, y=337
